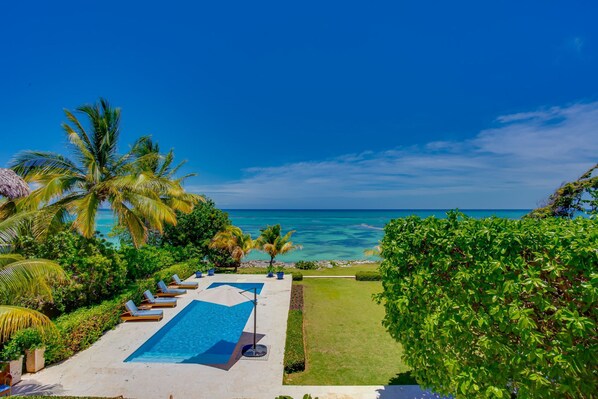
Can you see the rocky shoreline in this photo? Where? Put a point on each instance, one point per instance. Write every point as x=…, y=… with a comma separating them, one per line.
x=321, y=263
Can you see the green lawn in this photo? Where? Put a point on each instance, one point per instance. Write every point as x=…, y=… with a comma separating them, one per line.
x=334, y=271
x=345, y=341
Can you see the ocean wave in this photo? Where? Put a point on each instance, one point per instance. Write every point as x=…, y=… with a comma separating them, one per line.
x=368, y=226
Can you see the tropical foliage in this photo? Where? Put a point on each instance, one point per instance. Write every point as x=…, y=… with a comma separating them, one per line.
x=579, y=196
x=138, y=186
x=495, y=308
x=195, y=231
x=274, y=243
x=235, y=242
x=96, y=269
x=21, y=277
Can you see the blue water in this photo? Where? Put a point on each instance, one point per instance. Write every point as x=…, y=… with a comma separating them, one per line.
x=241, y=286
x=202, y=333
x=326, y=234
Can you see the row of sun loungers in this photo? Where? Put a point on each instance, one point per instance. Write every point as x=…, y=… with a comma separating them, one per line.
x=165, y=298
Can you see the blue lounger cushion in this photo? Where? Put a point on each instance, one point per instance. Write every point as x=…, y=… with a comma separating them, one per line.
x=162, y=286
x=131, y=308
x=177, y=281
x=152, y=299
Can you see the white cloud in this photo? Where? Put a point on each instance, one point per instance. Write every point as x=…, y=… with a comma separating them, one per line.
x=514, y=165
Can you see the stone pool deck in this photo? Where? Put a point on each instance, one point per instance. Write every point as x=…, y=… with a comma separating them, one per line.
x=101, y=371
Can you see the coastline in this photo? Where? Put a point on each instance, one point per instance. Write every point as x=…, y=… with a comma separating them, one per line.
x=322, y=264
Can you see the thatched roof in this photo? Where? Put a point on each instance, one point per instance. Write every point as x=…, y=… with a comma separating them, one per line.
x=11, y=185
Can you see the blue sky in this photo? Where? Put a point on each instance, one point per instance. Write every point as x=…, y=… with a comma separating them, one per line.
x=321, y=104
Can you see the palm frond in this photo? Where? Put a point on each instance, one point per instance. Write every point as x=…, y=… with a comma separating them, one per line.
x=153, y=210
x=79, y=129
x=25, y=275
x=53, y=186
x=86, y=209
x=11, y=227
x=9, y=258
x=134, y=224
x=15, y=318
x=28, y=163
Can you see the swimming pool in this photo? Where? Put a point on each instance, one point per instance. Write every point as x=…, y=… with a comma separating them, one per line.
x=202, y=333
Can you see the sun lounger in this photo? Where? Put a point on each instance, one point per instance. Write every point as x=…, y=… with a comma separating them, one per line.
x=6, y=385
x=134, y=314
x=151, y=301
x=177, y=283
x=164, y=291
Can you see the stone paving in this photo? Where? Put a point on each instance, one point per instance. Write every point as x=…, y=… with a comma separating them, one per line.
x=101, y=371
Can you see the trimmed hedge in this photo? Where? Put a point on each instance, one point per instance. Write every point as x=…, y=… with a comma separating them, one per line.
x=297, y=276
x=495, y=308
x=294, y=349
x=79, y=330
x=294, y=353
x=368, y=275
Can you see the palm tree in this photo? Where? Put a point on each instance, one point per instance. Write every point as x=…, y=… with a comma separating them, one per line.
x=141, y=198
x=375, y=251
x=235, y=242
x=21, y=277
x=274, y=243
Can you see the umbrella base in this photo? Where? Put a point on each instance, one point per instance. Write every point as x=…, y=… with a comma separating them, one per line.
x=258, y=351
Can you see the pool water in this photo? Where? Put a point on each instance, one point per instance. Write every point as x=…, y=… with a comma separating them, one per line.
x=202, y=333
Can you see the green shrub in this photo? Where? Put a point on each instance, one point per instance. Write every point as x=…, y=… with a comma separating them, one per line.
x=306, y=396
x=143, y=262
x=28, y=338
x=79, y=330
x=494, y=307
x=96, y=270
x=294, y=353
x=368, y=275
x=195, y=230
x=306, y=265
x=297, y=276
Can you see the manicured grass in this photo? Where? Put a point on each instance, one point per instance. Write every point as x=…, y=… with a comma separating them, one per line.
x=334, y=271
x=345, y=341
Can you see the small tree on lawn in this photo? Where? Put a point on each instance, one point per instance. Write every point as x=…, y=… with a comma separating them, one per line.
x=274, y=243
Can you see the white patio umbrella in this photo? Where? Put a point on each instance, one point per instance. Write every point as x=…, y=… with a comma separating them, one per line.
x=223, y=295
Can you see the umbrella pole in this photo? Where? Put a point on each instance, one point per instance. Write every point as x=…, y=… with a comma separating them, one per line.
x=254, y=350
x=254, y=317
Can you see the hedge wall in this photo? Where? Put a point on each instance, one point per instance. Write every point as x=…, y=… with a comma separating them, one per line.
x=294, y=350
x=368, y=275
x=495, y=307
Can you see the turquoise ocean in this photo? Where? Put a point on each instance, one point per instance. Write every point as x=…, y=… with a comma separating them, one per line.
x=325, y=234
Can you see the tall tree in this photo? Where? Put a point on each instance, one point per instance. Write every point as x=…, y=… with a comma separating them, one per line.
x=140, y=196
x=569, y=198
x=274, y=243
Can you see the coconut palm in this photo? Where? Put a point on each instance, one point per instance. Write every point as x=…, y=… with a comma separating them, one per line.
x=274, y=243
x=21, y=277
x=235, y=242
x=140, y=197
x=149, y=159
x=375, y=251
